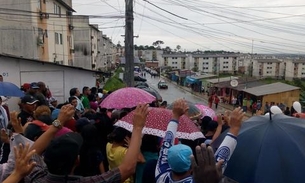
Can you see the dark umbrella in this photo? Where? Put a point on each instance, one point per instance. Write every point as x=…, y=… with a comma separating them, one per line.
x=10, y=89
x=194, y=113
x=152, y=91
x=268, y=151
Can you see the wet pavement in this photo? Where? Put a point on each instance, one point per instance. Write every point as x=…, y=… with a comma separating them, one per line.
x=174, y=92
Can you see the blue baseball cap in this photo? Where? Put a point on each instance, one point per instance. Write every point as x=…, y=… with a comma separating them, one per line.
x=179, y=159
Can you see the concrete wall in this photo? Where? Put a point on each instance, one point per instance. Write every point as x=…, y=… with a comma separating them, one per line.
x=18, y=34
x=101, y=57
x=94, y=45
x=58, y=24
x=60, y=79
x=82, y=42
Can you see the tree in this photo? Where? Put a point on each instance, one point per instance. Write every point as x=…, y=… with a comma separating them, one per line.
x=178, y=47
x=119, y=44
x=167, y=49
x=157, y=44
x=195, y=69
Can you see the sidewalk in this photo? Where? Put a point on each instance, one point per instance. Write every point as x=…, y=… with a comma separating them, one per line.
x=204, y=97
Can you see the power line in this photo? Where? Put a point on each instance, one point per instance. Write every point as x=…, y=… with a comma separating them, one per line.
x=222, y=38
x=165, y=10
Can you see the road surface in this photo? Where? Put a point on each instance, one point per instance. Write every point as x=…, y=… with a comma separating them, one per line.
x=174, y=92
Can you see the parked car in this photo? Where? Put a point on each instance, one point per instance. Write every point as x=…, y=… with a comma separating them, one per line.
x=138, y=78
x=162, y=85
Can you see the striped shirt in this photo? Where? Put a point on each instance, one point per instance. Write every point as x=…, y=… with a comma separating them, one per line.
x=163, y=171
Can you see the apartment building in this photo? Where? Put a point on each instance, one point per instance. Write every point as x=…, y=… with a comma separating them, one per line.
x=215, y=63
x=294, y=69
x=202, y=62
x=151, y=56
x=39, y=30
x=267, y=68
x=177, y=60
x=93, y=50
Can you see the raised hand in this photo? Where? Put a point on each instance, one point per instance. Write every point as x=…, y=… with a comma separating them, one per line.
x=140, y=115
x=23, y=163
x=205, y=170
x=4, y=136
x=16, y=123
x=226, y=117
x=180, y=107
x=236, y=118
x=66, y=113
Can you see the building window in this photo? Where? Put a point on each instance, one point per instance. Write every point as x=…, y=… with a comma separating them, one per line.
x=39, y=4
x=57, y=9
x=58, y=38
x=41, y=35
x=269, y=67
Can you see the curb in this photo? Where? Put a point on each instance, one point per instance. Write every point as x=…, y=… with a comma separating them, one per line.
x=203, y=98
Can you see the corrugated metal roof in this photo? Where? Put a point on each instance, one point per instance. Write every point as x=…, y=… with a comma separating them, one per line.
x=270, y=89
x=219, y=80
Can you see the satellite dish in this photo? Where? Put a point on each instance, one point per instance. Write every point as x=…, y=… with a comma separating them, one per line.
x=234, y=83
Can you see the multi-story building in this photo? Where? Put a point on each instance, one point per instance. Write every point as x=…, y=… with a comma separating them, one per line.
x=150, y=55
x=268, y=68
x=39, y=30
x=202, y=62
x=93, y=50
x=176, y=60
x=294, y=69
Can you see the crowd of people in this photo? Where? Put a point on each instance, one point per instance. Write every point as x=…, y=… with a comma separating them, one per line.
x=77, y=141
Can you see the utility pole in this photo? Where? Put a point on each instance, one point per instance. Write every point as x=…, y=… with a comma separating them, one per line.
x=129, y=47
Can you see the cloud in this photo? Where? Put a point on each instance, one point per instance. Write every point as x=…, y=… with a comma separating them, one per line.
x=274, y=26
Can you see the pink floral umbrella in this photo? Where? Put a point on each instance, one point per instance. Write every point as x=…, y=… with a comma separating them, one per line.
x=206, y=111
x=127, y=98
x=157, y=121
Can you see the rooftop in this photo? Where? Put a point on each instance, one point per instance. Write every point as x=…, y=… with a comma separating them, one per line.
x=270, y=89
x=214, y=55
x=298, y=61
x=268, y=60
x=49, y=63
x=65, y=5
x=219, y=80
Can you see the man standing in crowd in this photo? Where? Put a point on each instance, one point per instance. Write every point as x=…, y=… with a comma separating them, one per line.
x=84, y=98
x=28, y=106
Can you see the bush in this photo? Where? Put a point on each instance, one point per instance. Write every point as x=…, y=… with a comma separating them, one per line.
x=115, y=83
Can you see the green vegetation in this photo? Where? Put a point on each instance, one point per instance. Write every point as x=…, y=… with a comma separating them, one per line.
x=115, y=83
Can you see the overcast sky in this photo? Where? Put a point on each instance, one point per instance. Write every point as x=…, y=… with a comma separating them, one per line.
x=272, y=26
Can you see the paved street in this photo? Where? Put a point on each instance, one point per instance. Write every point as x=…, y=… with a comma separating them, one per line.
x=174, y=92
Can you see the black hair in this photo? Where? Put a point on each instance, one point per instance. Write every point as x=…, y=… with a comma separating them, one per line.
x=73, y=92
x=89, y=164
x=71, y=99
x=150, y=143
x=85, y=88
x=92, y=97
x=47, y=119
x=60, y=105
x=118, y=135
x=93, y=90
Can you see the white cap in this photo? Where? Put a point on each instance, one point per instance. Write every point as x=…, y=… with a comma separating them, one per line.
x=100, y=95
